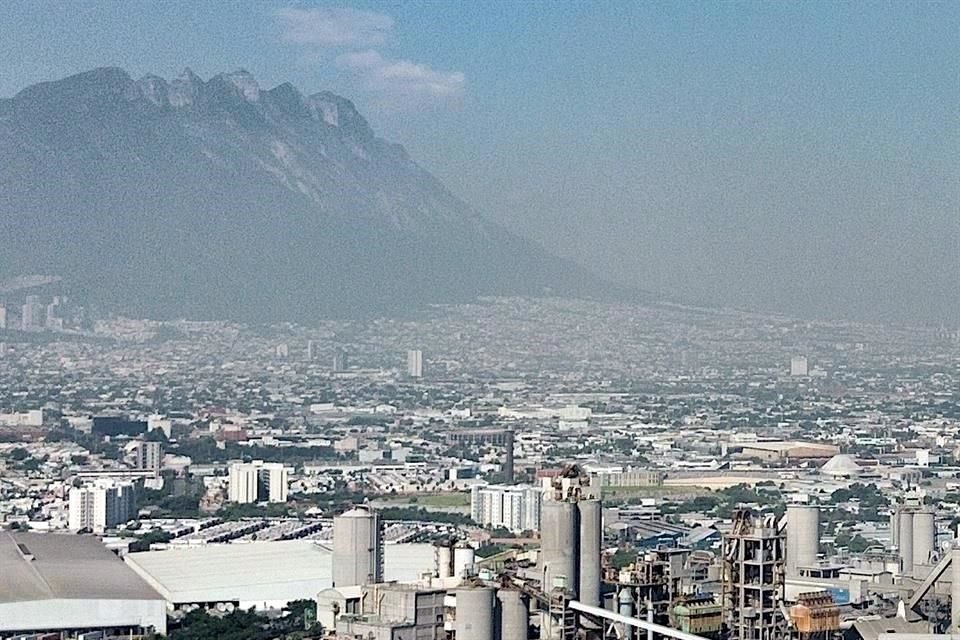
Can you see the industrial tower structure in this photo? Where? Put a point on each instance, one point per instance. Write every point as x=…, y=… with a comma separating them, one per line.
x=753, y=578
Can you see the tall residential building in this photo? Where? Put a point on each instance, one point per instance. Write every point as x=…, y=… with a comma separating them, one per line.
x=415, y=363
x=32, y=314
x=149, y=455
x=311, y=350
x=258, y=481
x=102, y=505
x=798, y=366
x=53, y=318
x=339, y=361
x=3, y=317
x=513, y=507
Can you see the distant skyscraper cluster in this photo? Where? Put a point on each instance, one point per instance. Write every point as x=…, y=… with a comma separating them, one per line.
x=56, y=314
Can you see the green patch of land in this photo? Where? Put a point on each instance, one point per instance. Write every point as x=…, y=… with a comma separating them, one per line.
x=652, y=492
x=430, y=499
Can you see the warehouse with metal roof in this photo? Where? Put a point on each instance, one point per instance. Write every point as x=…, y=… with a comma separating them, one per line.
x=261, y=574
x=58, y=582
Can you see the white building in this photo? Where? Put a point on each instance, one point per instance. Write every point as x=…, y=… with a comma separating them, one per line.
x=149, y=456
x=798, y=366
x=258, y=481
x=32, y=314
x=72, y=584
x=415, y=363
x=102, y=505
x=3, y=317
x=513, y=507
x=32, y=418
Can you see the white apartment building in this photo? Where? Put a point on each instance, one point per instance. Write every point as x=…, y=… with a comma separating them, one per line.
x=149, y=456
x=798, y=366
x=258, y=481
x=102, y=505
x=513, y=507
x=415, y=363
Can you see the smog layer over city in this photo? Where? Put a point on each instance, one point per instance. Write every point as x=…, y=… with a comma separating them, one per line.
x=479, y=320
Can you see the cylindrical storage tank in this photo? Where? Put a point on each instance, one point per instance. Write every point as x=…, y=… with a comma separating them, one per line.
x=357, y=548
x=591, y=541
x=924, y=539
x=895, y=528
x=514, y=615
x=463, y=559
x=559, y=552
x=803, y=537
x=626, y=607
x=906, y=542
x=474, y=613
x=444, y=555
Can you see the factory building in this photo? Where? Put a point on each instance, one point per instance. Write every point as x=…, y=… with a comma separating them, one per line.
x=513, y=507
x=65, y=584
x=774, y=451
x=261, y=574
x=631, y=478
x=384, y=612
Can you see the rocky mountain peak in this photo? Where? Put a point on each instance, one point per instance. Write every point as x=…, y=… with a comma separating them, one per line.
x=218, y=199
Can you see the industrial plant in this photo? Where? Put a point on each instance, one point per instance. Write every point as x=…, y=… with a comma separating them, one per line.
x=770, y=579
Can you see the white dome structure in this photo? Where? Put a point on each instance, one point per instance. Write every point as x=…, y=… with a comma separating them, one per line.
x=841, y=465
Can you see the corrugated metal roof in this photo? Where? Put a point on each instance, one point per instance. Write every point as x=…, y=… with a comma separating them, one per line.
x=870, y=629
x=35, y=566
x=261, y=571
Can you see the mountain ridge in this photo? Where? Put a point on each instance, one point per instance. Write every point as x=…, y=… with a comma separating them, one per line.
x=221, y=199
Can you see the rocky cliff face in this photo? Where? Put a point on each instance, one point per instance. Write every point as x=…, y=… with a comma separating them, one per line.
x=219, y=199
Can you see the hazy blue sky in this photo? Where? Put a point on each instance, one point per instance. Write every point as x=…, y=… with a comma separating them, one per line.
x=803, y=156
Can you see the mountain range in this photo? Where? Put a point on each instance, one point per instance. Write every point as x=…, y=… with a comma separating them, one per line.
x=221, y=200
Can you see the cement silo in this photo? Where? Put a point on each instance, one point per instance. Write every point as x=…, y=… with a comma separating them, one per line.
x=591, y=541
x=444, y=557
x=803, y=537
x=464, y=559
x=924, y=539
x=895, y=528
x=905, y=542
x=514, y=615
x=626, y=607
x=357, y=548
x=474, y=613
x=559, y=548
